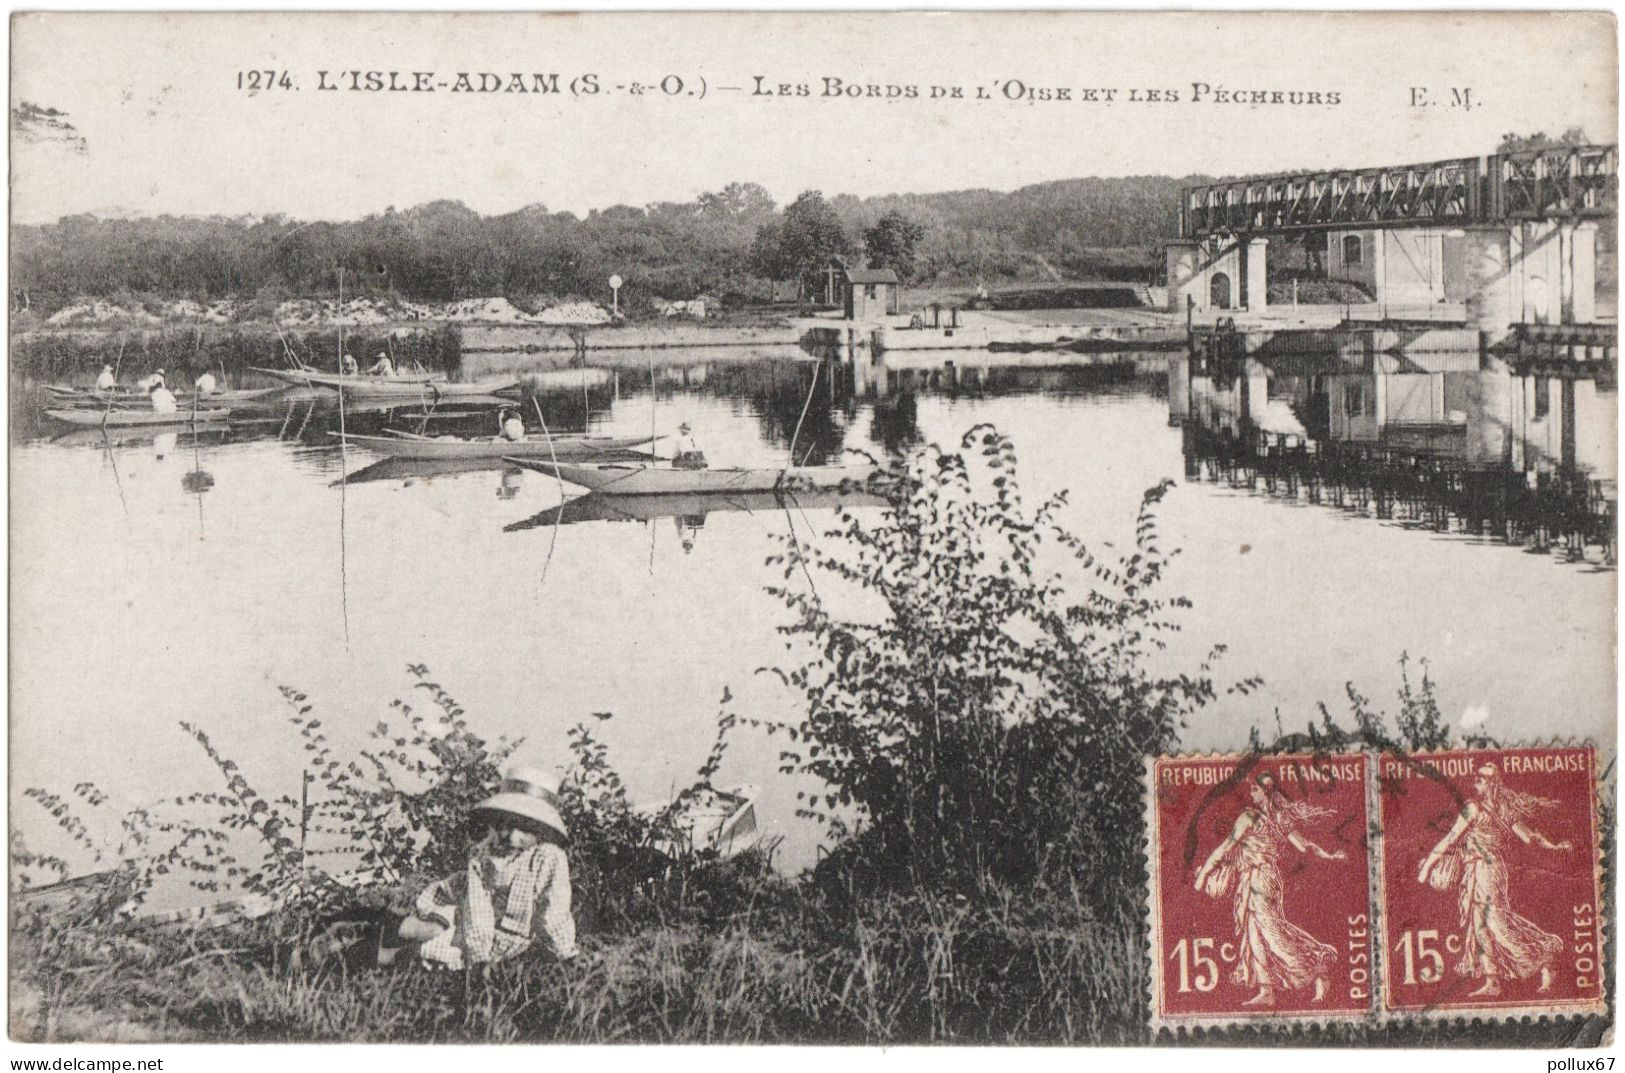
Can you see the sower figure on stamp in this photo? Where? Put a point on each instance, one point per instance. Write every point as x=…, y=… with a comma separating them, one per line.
x=1472, y=856
x=1272, y=952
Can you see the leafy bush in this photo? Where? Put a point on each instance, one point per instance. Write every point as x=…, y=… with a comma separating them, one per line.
x=987, y=727
x=372, y=828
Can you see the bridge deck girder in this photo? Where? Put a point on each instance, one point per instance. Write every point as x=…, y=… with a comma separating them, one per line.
x=1564, y=182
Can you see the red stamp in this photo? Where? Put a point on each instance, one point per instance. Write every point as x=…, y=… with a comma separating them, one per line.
x=1490, y=892
x=1260, y=888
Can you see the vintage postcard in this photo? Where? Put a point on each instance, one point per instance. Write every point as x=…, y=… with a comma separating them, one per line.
x=813, y=528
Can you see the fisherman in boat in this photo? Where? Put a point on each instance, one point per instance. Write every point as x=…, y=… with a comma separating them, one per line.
x=689, y=455
x=514, y=894
x=349, y=365
x=163, y=400
x=205, y=384
x=509, y=426
x=149, y=382
x=107, y=381
x=382, y=367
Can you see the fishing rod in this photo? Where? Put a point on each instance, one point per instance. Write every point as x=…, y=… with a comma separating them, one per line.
x=117, y=364
x=807, y=404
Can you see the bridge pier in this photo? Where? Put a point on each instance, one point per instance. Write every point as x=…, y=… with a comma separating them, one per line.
x=1533, y=272
x=1216, y=273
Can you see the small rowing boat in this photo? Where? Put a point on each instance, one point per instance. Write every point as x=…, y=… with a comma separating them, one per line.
x=76, y=394
x=633, y=479
x=127, y=418
x=308, y=377
x=403, y=445
x=711, y=821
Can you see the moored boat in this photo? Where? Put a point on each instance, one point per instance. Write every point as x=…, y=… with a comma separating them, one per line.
x=76, y=394
x=381, y=387
x=711, y=821
x=634, y=479
x=316, y=378
x=564, y=447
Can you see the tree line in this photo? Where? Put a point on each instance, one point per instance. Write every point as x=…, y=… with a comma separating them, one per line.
x=731, y=243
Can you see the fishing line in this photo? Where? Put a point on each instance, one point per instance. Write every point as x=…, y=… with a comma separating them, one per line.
x=107, y=446
x=796, y=541
x=197, y=468
x=344, y=478
x=804, y=407
x=557, y=478
x=787, y=499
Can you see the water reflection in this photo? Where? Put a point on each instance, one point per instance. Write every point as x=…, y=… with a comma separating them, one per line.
x=1451, y=442
x=197, y=482
x=689, y=510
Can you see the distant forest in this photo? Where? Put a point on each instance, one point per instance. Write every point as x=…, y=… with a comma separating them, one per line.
x=731, y=244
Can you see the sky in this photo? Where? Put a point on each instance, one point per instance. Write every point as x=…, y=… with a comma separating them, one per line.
x=159, y=123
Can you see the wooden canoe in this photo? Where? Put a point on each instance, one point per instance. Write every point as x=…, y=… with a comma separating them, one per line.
x=382, y=387
x=317, y=378
x=77, y=395
x=127, y=418
x=632, y=479
x=564, y=447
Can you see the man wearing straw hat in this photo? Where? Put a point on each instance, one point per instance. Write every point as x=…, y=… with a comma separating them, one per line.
x=509, y=425
x=689, y=455
x=514, y=892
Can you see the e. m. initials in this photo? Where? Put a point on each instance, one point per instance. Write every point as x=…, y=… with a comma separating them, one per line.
x=1458, y=97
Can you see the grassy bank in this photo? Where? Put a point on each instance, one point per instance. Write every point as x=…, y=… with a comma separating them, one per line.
x=760, y=960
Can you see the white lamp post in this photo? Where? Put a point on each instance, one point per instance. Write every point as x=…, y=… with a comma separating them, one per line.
x=615, y=289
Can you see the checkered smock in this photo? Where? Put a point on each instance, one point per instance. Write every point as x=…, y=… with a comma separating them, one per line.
x=499, y=906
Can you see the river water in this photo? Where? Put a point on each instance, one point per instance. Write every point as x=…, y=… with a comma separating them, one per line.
x=182, y=578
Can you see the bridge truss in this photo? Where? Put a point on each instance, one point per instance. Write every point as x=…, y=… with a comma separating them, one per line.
x=1560, y=182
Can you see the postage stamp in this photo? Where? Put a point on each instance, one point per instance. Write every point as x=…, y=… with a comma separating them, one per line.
x=1490, y=887
x=1260, y=896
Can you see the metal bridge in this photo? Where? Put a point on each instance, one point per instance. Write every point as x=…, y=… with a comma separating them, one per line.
x=1560, y=182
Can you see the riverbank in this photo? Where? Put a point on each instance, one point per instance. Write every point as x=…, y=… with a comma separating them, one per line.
x=743, y=956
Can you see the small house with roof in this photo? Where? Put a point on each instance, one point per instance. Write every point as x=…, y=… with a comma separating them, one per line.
x=870, y=293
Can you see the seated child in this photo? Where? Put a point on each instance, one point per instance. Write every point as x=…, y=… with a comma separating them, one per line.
x=514, y=893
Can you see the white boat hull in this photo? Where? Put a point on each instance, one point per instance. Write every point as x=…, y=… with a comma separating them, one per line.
x=568, y=447
x=78, y=396
x=313, y=378
x=420, y=390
